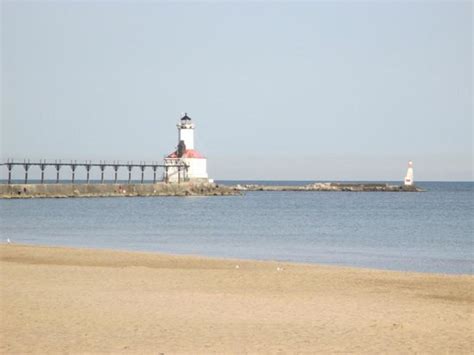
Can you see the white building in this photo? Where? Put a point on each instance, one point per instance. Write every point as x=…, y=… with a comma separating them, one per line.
x=409, y=176
x=185, y=163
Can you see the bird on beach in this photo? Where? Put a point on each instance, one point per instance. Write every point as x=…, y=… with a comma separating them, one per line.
x=8, y=241
x=237, y=266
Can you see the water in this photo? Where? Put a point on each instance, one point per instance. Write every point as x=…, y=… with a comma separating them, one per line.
x=427, y=232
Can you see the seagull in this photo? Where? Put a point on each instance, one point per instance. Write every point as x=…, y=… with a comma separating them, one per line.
x=9, y=241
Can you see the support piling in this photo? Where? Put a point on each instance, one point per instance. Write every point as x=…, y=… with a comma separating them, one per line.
x=102, y=168
x=73, y=168
x=58, y=167
x=9, y=166
x=88, y=168
x=142, y=167
x=26, y=167
x=42, y=167
x=116, y=167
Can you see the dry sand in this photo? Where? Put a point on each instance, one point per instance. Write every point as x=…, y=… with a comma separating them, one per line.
x=78, y=300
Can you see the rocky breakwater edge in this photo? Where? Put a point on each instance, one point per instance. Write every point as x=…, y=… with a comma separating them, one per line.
x=15, y=191
x=330, y=186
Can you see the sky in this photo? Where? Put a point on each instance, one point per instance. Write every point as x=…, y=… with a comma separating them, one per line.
x=309, y=90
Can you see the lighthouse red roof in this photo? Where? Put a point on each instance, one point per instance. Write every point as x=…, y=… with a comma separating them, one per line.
x=189, y=153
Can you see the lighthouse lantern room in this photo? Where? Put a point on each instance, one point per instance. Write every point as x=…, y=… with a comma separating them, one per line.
x=185, y=163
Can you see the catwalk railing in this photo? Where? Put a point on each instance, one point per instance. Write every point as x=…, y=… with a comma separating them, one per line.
x=181, y=167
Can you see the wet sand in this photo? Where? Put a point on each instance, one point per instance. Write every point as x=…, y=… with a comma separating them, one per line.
x=78, y=300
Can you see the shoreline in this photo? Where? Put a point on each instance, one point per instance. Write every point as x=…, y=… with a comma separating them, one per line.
x=57, y=299
x=232, y=259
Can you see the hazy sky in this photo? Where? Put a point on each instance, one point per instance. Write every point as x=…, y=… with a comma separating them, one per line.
x=308, y=90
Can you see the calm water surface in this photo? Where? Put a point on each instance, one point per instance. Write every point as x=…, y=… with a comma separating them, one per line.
x=427, y=232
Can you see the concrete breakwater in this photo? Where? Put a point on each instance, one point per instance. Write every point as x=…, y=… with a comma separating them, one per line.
x=330, y=186
x=113, y=190
x=182, y=189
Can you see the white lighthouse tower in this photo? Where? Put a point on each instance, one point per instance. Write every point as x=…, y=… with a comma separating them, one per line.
x=186, y=155
x=409, y=176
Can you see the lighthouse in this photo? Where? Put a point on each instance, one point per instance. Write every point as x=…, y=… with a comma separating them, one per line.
x=409, y=176
x=185, y=163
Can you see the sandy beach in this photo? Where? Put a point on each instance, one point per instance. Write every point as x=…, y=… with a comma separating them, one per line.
x=89, y=301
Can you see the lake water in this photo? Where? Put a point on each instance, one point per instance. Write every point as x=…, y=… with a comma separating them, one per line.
x=429, y=232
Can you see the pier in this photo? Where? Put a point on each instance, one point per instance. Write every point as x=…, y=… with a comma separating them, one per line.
x=179, y=167
x=332, y=186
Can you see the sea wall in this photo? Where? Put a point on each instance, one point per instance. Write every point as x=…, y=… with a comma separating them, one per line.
x=352, y=187
x=113, y=190
x=182, y=189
